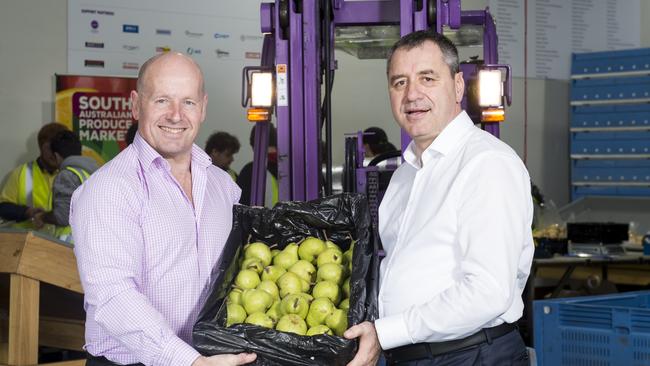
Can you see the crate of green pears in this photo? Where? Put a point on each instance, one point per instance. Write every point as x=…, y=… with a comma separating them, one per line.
x=302, y=289
x=291, y=281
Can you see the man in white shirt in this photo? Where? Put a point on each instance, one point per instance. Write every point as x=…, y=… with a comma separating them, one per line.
x=455, y=223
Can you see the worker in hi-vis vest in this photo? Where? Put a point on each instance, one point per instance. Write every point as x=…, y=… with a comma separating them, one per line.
x=74, y=170
x=28, y=187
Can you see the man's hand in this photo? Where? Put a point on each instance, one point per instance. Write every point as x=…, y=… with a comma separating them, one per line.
x=37, y=220
x=225, y=360
x=369, y=347
x=30, y=212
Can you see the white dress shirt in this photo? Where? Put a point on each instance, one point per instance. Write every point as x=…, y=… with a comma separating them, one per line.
x=456, y=228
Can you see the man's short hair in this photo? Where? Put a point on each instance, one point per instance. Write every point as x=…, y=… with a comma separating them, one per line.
x=416, y=39
x=66, y=143
x=273, y=136
x=47, y=132
x=222, y=141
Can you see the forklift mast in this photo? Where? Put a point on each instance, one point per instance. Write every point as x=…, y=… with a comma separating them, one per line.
x=299, y=49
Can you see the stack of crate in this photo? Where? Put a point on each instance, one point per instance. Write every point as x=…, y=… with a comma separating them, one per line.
x=610, y=123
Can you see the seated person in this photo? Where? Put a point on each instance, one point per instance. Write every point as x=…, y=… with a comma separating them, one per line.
x=74, y=169
x=28, y=188
x=221, y=146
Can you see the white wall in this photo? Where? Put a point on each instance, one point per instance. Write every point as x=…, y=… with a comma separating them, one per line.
x=33, y=48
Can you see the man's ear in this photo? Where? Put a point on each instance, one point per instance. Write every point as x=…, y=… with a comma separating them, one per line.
x=460, y=86
x=135, y=105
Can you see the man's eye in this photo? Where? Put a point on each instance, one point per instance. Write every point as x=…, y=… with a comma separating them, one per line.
x=160, y=101
x=190, y=102
x=399, y=83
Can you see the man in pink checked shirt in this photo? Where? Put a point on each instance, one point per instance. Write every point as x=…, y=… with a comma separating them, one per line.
x=150, y=225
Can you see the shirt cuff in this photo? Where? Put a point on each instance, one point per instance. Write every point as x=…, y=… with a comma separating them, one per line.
x=392, y=332
x=177, y=352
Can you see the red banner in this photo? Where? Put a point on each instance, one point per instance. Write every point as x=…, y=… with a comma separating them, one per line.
x=98, y=108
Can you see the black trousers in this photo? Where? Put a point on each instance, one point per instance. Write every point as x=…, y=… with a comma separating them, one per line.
x=508, y=350
x=102, y=361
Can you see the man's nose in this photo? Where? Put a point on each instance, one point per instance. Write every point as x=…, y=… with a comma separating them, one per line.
x=413, y=92
x=175, y=112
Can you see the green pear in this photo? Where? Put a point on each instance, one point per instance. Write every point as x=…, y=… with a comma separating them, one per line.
x=337, y=321
x=274, y=252
x=235, y=314
x=319, y=309
x=275, y=311
x=247, y=279
x=287, y=257
x=330, y=255
x=269, y=287
x=305, y=285
x=345, y=304
x=310, y=248
x=327, y=289
x=330, y=245
x=253, y=264
x=319, y=329
x=295, y=304
x=292, y=323
x=307, y=296
x=260, y=319
x=260, y=251
x=256, y=301
x=234, y=297
x=346, y=287
x=330, y=272
x=348, y=254
x=289, y=283
x=272, y=273
x=304, y=270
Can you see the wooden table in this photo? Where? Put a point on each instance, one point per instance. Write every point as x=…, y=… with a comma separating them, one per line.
x=44, y=305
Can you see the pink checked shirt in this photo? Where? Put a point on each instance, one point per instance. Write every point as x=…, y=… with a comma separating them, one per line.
x=145, y=253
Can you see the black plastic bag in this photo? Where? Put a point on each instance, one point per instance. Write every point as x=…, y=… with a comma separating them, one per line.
x=339, y=217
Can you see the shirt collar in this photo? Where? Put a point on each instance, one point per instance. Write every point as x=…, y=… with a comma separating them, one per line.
x=147, y=155
x=443, y=144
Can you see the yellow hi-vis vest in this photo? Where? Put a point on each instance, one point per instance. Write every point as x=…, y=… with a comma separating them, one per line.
x=64, y=233
x=34, y=190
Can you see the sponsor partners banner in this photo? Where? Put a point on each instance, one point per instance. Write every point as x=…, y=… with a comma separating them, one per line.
x=98, y=108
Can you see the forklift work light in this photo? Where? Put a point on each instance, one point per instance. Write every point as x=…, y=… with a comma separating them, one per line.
x=262, y=89
x=490, y=88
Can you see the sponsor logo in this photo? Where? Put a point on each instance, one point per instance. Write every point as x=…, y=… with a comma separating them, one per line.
x=94, y=63
x=164, y=32
x=130, y=65
x=130, y=47
x=253, y=55
x=221, y=35
x=94, y=25
x=221, y=53
x=163, y=49
x=193, y=51
x=247, y=37
x=94, y=45
x=193, y=34
x=130, y=28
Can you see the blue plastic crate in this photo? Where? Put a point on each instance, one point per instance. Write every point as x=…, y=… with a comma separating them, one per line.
x=605, y=330
x=610, y=88
x=610, y=61
x=635, y=115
